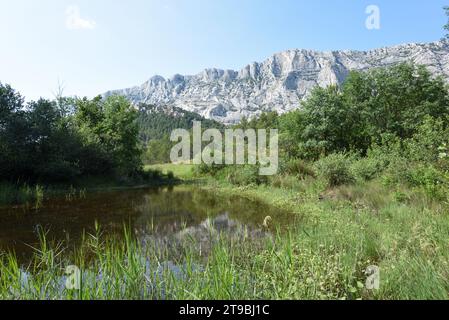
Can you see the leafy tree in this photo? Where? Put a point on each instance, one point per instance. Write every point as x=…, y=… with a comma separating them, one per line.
x=89, y=115
x=13, y=133
x=10, y=102
x=52, y=141
x=158, y=151
x=110, y=133
x=291, y=127
x=392, y=100
x=329, y=122
x=119, y=130
x=400, y=97
x=49, y=153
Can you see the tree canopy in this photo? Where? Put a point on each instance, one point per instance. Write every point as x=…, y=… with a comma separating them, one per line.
x=392, y=100
x=44, y=141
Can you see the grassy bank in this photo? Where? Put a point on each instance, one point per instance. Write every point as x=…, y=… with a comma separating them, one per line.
x=345, y=229
x=353, y=228
x=340, y=232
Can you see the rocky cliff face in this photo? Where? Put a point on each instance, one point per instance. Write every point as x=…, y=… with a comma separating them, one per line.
x=279, y=83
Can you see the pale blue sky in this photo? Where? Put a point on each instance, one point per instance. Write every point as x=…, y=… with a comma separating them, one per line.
x=112, y=44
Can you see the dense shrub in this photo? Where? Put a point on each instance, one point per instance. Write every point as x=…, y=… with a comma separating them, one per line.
x=158, y=151
x=336, y=169
x=368, y=168
x=208, y=169
x=286, y=182
x=296, y=167
x=245, y=175
x=11, y=194
x=430, y=141
x=433, y=181
x=364, y=169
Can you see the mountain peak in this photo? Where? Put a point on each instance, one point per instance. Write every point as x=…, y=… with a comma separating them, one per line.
x=280, y=82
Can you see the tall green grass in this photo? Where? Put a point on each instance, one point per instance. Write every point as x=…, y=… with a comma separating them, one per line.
x=335, y=235
x=324, y=257
x=14, y=194
x=342, y=231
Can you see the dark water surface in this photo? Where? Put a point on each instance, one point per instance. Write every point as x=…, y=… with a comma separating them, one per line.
x=161, y=211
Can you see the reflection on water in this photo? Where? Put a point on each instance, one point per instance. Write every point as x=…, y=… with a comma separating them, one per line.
x=157, y=215
x=205, y=234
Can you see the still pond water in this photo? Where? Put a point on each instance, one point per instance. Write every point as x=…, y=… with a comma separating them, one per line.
x=149, y=213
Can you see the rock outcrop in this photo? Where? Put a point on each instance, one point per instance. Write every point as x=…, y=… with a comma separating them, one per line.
x=279, y=83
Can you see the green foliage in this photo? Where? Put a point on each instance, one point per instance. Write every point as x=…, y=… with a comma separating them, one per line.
x=119, y=132
x=267, y=121
x=33, y=139
x=158, y=151
x=329, y=123
x=433, y=181
x=291, y=126
x=418, y=162
x=58, y=141
x=285, y=181
x=368, y=168
x=154, y=175
x=109, y=132
x=238, y=175
x=336, y=169
x=180, y=171
x=430, y=141
x=208, y=169
x=393, y=100
x=11, y=194
x=296, y=167
x=378, y=159
x=156, y=125
x=244, y=175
